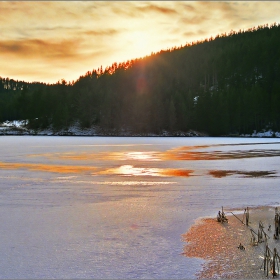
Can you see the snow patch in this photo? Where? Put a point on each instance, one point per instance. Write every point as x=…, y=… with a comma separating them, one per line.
x=264, y=133
x=16, y=123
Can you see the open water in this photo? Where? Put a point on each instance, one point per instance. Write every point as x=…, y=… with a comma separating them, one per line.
x=116, y=207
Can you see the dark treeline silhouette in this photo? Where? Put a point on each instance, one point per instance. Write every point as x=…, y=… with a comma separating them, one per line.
x=223, y=85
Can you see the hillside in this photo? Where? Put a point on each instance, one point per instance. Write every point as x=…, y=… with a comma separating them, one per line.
x=227, y=85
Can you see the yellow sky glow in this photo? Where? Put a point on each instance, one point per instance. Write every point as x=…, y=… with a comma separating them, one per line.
x=48, y=41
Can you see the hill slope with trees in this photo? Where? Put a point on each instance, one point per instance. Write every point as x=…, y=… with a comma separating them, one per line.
x=225, y=85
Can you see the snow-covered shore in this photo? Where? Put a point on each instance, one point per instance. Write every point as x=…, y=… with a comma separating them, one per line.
x=264, y=133
x=20, y=128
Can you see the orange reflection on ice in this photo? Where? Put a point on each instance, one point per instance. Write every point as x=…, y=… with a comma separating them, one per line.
x=179, y=153
x=177, y=172
x=132, y=155
x=66, y=156
x=130, y=170
x=141, y=156
x=138, y=156
x=46, y=167
x=184, y=153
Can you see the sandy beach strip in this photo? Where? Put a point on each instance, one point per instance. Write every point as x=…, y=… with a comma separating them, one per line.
x=217, y=243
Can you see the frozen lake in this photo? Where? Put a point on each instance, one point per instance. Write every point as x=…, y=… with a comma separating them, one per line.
x=101, y=207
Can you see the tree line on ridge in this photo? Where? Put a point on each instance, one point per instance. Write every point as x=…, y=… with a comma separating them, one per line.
x=225, y=85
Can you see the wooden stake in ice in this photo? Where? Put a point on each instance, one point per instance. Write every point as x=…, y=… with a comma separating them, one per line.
x=275, y=261
x=246, y=215
x=276, y=223
x=267, y=259
x=237, y=218
x=221, y=217
x=261, y=232
x=254, y=242
x=271, y=262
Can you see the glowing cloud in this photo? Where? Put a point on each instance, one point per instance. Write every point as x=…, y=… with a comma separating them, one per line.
x=48, y=41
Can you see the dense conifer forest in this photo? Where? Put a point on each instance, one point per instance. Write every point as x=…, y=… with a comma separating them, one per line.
x=225, y=85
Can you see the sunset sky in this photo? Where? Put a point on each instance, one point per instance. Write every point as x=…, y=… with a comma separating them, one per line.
x=50, y=41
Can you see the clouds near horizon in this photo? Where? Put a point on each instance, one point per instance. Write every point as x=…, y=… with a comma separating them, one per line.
x=66, y=39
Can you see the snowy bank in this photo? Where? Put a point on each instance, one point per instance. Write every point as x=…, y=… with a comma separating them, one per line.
x=262, y=134
x=20, y=128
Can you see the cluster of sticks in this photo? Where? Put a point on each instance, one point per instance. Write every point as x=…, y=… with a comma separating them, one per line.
x=271, y=259
x=221, y=217
x=276, y=222
x=261, y=236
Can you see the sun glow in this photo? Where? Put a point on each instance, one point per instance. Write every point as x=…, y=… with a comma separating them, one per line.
x=140, y=43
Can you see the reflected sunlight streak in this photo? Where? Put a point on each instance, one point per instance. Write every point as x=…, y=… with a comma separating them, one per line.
x=117, y=183
x=124, y=170
x=141, y=156
x=130, y=170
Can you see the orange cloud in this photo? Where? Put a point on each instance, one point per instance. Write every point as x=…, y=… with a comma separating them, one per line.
x=102, y=32
x=64, y=49
x=197, y=20
x=189, y=33
x=138, y=9
x=158, y=9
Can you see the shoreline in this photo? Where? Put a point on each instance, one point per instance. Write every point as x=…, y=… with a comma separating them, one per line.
x=14, y=128
x=217, y=244
x=94, y=131
x=11, y=132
